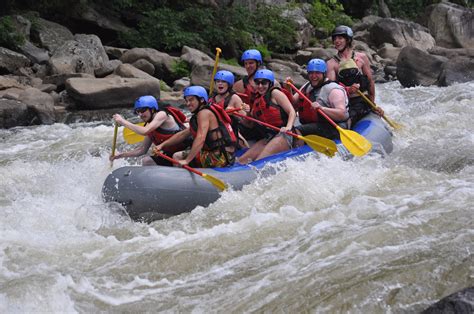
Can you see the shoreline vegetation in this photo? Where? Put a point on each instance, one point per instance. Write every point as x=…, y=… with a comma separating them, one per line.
x=69, y=61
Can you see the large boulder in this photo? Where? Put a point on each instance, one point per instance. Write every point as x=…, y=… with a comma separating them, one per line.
x=129, y=71
x=202, y=74
x=40, y=103
x=303, y=56
x=282, y=70
x=457, y=70
x=417, y=67
x=304, y=29
x=34, y=53
x=110, y=92
x=451, y=25
x=14, y=113
x=401, y=33
x=50, y=35
x=102, y=23
x=194, y=56
x=84, y=54
x=10, y=61
x=162, y=62
x=461, y=302
x=452, y=53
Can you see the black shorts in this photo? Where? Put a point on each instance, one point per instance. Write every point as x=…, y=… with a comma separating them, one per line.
x=252, y=134
x=161, y=161
x=321, y=128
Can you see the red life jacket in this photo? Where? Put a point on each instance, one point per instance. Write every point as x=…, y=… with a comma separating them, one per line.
x=227, y=135
x=250, y=91
x=224, y=102
x=159, y=135
x=265, y=110
x=305, y=112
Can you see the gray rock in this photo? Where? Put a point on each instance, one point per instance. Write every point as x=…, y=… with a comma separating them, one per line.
x=194, y=56
x=417, y=67
x=162, y=62
x=110, y=92
x=41, y=104
x=401, y=33
x=144, y=66
x=107, y=69
x=114, y=52
x=10, y=61
x=50, y=35
x=35, y=54
x=85, y=54
x=451, y=25
x=181, y=84
x=14, y=113
x=461, y=302
x=457, y=70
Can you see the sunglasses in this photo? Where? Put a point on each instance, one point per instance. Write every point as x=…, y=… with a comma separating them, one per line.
x=261, y=82
x=140, y=110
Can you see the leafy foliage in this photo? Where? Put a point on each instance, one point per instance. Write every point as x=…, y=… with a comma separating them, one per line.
x=180, y=69
x=411, y=9
x=327, y=14
x=233, y=28
x=9, y=38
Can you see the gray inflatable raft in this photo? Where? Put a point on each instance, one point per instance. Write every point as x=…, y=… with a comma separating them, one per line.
x=157, y=192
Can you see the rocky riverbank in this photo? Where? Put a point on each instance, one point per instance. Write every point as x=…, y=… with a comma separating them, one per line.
x=66, y=77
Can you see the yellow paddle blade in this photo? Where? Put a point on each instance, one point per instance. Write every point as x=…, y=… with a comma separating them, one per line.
x=131, y=137
x=320, y=144
x=216, y=182
x=393, y=124
x=355, y=143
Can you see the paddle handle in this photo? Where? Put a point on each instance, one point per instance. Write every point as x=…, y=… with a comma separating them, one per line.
x=211, y=87
x=177, y=163
x=264, y=124
x=309, y=101
x=114, y=143
x=374, y=106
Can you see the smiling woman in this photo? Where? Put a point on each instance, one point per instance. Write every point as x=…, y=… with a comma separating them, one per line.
x=160, y=124
x=273, y=107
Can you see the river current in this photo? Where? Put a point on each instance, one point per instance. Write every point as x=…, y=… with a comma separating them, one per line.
x=374, y=234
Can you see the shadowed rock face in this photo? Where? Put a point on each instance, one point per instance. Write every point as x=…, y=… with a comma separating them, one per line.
x=461, y=302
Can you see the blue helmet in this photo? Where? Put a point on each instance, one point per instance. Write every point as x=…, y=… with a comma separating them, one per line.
x=316, y=65
x=147, y=101
x=264, y=74
x=198, y=91
x=252, y=54
x=342, y=30
x=226, y=76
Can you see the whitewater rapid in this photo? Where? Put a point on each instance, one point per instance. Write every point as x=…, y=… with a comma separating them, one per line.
x=374, y=234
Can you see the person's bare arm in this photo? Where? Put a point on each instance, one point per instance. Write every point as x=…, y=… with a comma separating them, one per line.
x=159, y=118
x=204, y=118
x=283, y=101
x=331, y=69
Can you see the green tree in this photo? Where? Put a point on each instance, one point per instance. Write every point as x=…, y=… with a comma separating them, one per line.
x=327, y=14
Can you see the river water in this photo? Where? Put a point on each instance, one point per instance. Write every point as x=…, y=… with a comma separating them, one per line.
x=375, y=234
